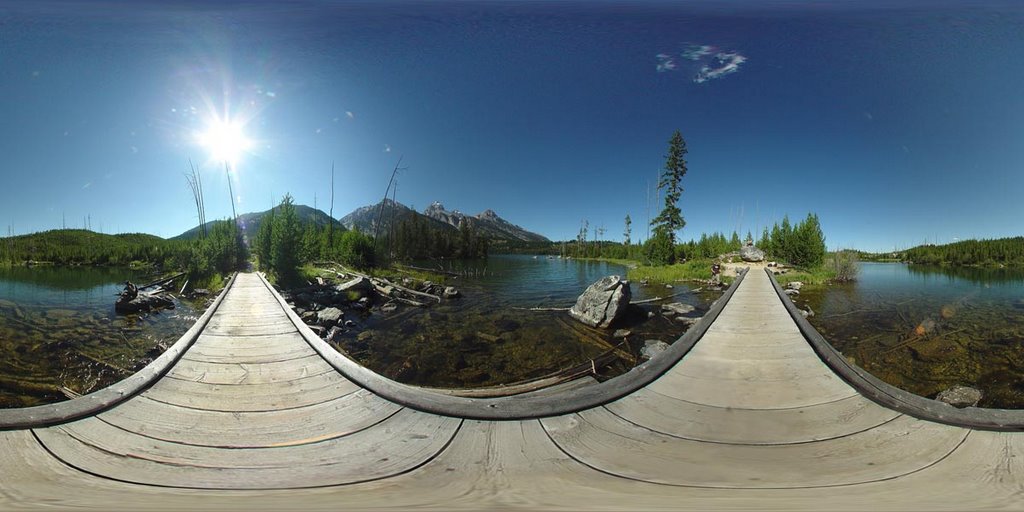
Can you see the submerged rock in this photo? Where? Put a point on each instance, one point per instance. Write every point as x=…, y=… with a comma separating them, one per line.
x=676, y=308
x=603, y=302
x=450, y=292
x=960, y=396
x=359, y=284
x=621, y=333
x=143, y=302
x=329, y=316
x=652, y=348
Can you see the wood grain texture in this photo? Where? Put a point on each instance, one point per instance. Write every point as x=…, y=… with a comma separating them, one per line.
x=335, y=417
x=650, y=409
x=401, y=443
x=607, y=443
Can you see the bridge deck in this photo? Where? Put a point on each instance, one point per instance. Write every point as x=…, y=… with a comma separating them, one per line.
x=252, y=417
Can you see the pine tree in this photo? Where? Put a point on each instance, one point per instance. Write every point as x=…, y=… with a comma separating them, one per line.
x=670, y=220
x=625, y=234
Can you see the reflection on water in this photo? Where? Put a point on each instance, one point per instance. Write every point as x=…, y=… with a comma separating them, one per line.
x=58, y=329
x=489, y=336
x=926, y=329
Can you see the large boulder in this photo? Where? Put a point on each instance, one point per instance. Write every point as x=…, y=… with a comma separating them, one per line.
x=603, y=302
x=751, y=253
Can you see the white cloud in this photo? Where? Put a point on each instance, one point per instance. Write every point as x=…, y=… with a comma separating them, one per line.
x=349, y=114
x=665, y=63
x=709, y=62
x=727, y=64
x=271, y=94
x=318, y=130
x=697, y=51
x=87, y=185
x=387, y=148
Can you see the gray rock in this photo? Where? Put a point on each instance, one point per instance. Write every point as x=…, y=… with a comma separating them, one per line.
x=389, y=307
x=329, y=317
x=308, y=316
x=751, y=253
x=795, y=285
x=357, y=284
x=687, y=320
x=676, y=308
x=791, y=293
x=652, y=348
x=350, y=324
x=621, y=333
x=603, y=302
x=960, y=396
x=450, y=292
x=333, y=334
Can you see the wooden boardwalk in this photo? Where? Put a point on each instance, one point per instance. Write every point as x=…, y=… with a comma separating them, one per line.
x=253, y=417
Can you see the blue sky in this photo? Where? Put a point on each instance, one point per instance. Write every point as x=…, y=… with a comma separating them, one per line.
x=895, y=125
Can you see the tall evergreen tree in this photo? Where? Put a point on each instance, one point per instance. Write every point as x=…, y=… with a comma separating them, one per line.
x=670, y=220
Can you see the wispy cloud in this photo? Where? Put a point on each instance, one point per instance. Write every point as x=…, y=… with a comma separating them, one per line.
x=87, y=185
x=665, y=63
x=135, y=150
x=349, y=114
x=710, y=62
x=387, y=148
x=697, y=51
x=728, y=63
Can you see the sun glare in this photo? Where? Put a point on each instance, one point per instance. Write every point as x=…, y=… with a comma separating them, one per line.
x=225, y=141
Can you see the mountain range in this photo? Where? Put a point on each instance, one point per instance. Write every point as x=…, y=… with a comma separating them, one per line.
x=251, y=221
x=365, y=219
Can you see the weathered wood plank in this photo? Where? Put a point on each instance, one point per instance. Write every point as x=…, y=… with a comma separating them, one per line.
x=252, y=397
x=697, y=422
x=217, y=373
x=332, y=418
x=800, y=391
x=399, y=444
x=605, y=442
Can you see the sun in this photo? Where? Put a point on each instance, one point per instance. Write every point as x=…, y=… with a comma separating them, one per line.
x=225, y=140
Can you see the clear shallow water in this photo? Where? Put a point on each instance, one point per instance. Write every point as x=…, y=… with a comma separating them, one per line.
x=58, y=328
x=926, y=329
x=487, y=338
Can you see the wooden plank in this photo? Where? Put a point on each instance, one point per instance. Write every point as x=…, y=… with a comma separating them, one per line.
x=252, y=397
x=606, y=442
x=216, y=373
x=399, y=444
x=333, y=418
x=697, y=422
x=250, y=355
x=800, y=391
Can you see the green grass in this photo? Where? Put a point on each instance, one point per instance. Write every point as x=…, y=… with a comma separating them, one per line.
x=690, y=270
x=214, y=283
x=817, y=275
x=615, y=261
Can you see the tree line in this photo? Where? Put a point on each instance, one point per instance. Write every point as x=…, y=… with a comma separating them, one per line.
x=990, y=252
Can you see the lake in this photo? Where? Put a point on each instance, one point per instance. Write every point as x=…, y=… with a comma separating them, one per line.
x=489, y=337
x=58, y=328
x=925, y=329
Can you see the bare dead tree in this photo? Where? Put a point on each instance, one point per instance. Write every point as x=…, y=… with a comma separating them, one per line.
x=197, y=196
x=330, y=223
x=380, y=212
